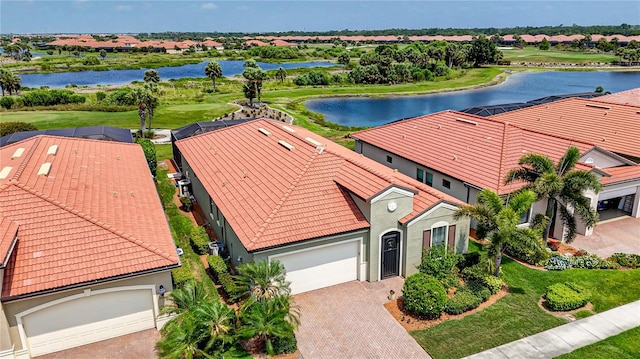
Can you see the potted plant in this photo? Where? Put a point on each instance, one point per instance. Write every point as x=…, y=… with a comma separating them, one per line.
x=187, y=204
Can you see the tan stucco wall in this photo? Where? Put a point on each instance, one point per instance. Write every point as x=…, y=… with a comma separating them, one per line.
x=601, y=160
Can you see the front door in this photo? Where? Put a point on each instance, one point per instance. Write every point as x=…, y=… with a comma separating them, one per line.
x=390, y=255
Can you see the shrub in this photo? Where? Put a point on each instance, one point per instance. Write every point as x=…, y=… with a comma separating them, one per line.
x=554, y=246
x=493, y=283
x=121, y=97
x=626, y=260
x=479, y=290
x=438, y=262
x=526, y=250
x=586, y=262
x=217, y=265
x=7, y=128
x=149, y=150
x=181, y=275
x=6, y=102
x=473, y=273
x=285, y=344
x=199, y=240
x=478, y=274
x=100, y=96
x=461, y=302
x=229, y=286
x=469, y=259
x=605, y=264
x=424, y=295
x=51, y=97
x=91, y=60
x=558, y=263
x=566, y=296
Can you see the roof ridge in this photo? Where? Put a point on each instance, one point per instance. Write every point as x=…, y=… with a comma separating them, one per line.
x=284, y=198
x=503, y=145
x=26, y=158
x=86, y=217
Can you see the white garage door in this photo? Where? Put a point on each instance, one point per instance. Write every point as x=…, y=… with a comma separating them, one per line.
x=321, y=267
x=88, y=319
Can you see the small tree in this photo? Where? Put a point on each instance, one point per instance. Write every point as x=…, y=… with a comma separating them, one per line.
x=103, y=53
x=544, y=44
x=151, y=76
x=213, y=70
x=281, y=74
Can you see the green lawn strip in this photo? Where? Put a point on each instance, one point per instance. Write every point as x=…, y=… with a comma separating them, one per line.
x=517, y=315
x=532, y=54
x=622, y=346
x=181, y=225
x=164, y=152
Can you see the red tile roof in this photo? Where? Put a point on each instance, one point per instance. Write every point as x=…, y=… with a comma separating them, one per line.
x=95, y=215
x=8, y=231
x=629, y=97
x=273, y=196
x=473, y=149
x=278, y=42
x=614, y=127
x=621, y=174
x=256, y=43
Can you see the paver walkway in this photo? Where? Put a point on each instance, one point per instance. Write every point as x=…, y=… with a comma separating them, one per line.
x=349, y=321
x=140, y=345
x=616, y=235
x=566, y=338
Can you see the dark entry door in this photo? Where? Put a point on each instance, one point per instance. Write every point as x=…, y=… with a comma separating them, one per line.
x=390, y=255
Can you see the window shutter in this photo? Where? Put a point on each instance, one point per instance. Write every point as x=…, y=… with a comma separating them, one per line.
x=451, y=239
x=426, y=239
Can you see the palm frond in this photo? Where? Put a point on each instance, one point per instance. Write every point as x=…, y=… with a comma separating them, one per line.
x=491, y=200
x=521, y=201
x=568, y=161
x=578, y=181
x=570, y=229
x=521, y=174
x=538, y=163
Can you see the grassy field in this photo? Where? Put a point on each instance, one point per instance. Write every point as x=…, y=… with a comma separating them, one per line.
x=517, y=315
x=532, y=54
x=622, y=346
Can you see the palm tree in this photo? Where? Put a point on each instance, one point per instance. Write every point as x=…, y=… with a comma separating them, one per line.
x=499, y=218
x=562, y=186
x=183, y=341
x=263, y=280
x=141, y=96
x=189, y=296
x=152, y=101
x=151, y=76
x=281, y=74
x=213, y=71
x=220, y=322
x=266, y=320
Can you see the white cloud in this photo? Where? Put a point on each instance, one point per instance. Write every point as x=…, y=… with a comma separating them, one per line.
x=208, y=6
x=123, y=7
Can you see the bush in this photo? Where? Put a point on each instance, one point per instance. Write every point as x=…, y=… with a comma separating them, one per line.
x=6, y=102
x=473, y=273
x=50, y=97
x=121, y=97
x=605, y=264
x=424, y=295
x=566, y=296
x=181, y=275
x=532, y=252
x=626, y=260
x=477, y=274
x=461, y=302
x=199, y=240
x=479, y=290
x=100, y=96
x=91, y=60
x=586, y=262
x=149, y=150
x=7, y=128
x=558, y=263
x=439, y=263
x=312, y=78
x=229, y=286
x=217, y=265
x=493, y=283
x=285, y=344
x=469, y=259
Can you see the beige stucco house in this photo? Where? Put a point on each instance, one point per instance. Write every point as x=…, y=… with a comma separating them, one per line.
x=279, y=192
x=85, y=248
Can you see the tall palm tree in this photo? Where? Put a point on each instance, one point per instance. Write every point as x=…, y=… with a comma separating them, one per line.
x=151, y=76
x=141, y=97
x=281, y=74
x=213, y=70
x=499, y=219
x=562, y=186
x=263, y=280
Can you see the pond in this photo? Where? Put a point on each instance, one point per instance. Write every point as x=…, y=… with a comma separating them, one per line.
x=119, y=77
x=521, y=87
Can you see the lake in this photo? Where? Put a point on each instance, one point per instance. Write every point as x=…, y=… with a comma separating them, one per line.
x=521, y=87
x=119, y=77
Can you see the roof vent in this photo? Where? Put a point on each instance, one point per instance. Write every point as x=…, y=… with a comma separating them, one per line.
x=5, y=172
x=18, y=153
x=288, y=128
x=319, y=149
x=313, y=141
x=53, y=149
x=466, y=121
x=264, y=132
x=598, y=106
x=44, y=169
x=286, y=145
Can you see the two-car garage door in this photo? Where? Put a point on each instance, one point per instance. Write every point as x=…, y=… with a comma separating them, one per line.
x=321, y=267
x=88, y=319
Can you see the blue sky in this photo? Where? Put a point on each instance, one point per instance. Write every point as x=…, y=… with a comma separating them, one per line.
x=92, y=16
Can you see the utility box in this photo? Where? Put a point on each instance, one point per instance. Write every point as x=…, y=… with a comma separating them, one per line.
x=213, y=248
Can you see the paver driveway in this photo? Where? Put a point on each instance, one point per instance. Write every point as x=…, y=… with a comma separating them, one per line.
x=618, y=235
x=350, y=321
x=140, y=345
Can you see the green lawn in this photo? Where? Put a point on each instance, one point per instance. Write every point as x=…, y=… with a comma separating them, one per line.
x=164, y=152
x=625, y=345
x=532, y=54
x=517, y=315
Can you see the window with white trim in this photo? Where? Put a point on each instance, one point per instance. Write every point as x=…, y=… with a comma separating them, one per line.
x=438, y=236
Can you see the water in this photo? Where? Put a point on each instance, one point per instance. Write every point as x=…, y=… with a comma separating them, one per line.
x=119, y=77
x=523, y=87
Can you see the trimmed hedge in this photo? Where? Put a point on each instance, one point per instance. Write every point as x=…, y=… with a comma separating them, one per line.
x=479, y=290
x=51, y=97
x=558, y=263
x=626, y=259
x=149, y=150
x=217, y=265
x=7, y=128
x=229, y=286
x=566, y=296
x=182, y=274
x=199, y=240
x=476, y=273
x=532, y=252
x=424, y=295
x=461, y=302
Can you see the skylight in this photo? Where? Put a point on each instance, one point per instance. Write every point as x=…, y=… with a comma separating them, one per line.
x=288, y=128
x=44, y=169
x=466, y=121
x=598, y=106
x=286, y=145
x=264, y=132
x=53, y=149
x=313, y=141
x=18, y=153
x=5, y=172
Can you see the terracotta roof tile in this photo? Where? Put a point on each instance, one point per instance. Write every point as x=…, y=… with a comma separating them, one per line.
x=97, y=204
x=8, y=231
x=614, y=127
x=621, y=174
x=273, y=196
x=629, y=97
x=473, y=149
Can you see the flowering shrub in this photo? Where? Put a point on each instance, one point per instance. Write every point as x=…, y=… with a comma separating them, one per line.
x=558, y=263
x=587, y=262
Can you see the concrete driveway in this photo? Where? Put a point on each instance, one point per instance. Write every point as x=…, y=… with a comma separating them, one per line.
x=140, y=345
x=350, y=321
x=615, y=235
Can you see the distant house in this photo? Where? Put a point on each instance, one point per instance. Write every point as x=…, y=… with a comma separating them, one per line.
x=279, y=192
x=460, y=154
x=85, y=248
x=256, y=43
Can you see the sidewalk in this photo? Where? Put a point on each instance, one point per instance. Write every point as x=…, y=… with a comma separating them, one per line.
x=566, y=338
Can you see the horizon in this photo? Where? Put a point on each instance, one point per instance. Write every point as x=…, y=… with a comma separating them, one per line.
x=255, y=17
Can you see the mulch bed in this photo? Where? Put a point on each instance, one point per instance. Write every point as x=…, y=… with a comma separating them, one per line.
x=397, y=310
